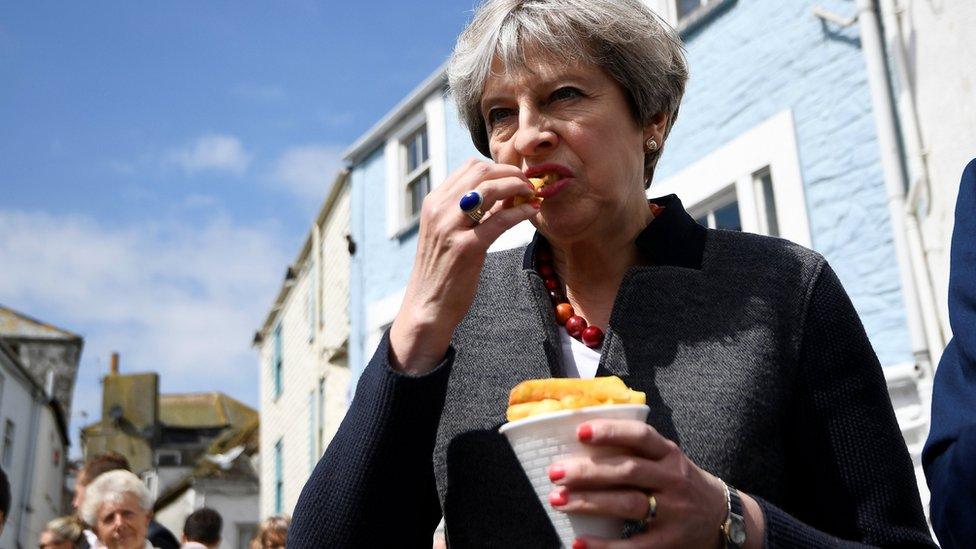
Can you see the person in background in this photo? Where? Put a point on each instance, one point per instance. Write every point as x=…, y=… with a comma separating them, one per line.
x=4, y=498
x=272, y=533
x=202, y=529
x=949, y=456
x=118, y=507
x=61, y=533
x=98, y=465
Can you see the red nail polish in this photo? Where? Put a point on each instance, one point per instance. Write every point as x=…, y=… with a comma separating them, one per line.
x=579, y=543
x=556, y=472
x=558, y=497
x=584, y=432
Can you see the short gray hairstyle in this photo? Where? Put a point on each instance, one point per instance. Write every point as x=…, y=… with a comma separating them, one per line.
x=624, y=37
x=64, y=529
x=112, y=487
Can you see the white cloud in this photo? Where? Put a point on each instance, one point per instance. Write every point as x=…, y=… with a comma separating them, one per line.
x=213, y=152
x=308, y=171
x=183, y=301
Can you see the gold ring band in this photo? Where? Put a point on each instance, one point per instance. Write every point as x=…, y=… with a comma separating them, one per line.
x=651, y=507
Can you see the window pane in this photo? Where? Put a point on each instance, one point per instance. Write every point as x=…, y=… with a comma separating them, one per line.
x=703, y=220
x=416, y=149
x=418, y=189
x=767, y=203
x=727, y=217
x=685, y=7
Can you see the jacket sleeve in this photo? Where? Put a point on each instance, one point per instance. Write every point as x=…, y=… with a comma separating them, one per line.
x=949, y=457
x=852, y=478
x=374, y=487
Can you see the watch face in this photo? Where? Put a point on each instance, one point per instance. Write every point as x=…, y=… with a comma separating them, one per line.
x=737, y=532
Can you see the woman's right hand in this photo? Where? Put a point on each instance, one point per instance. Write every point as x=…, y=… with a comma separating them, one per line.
x=451, y=250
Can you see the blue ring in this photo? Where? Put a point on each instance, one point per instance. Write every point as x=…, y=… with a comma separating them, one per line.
x=471, y=201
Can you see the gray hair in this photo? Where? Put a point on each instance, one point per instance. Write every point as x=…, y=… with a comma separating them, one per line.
x=624, y=37
x=112, y=487
x=64, y=529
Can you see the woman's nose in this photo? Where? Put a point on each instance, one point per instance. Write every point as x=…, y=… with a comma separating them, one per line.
x=534, y=136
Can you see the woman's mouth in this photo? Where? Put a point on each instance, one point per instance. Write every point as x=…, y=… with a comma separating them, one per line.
x=548, y=179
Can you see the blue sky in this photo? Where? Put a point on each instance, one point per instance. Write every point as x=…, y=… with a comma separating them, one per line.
x=160, y=163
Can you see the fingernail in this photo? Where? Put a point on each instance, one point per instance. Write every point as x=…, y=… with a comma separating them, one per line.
x=584, y=432
x=556, y=472
x=558, y=497
x=579, y=543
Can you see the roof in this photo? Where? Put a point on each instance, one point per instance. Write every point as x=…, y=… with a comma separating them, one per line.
x=199, y=410
x=246, y=437
x=14, y=324
x=369, y=140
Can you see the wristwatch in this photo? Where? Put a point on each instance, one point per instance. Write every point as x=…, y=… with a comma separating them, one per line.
x=734, y=527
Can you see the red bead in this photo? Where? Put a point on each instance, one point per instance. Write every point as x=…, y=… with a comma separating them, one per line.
x=564, y=311
x=592, y=337
x=551, y=284
x=545, y=270
x=575, y=326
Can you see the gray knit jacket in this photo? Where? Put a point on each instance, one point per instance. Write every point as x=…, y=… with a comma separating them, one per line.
x=753, y=361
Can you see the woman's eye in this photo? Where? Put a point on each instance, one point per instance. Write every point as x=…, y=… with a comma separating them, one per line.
x=498, y=115
x=565, y=93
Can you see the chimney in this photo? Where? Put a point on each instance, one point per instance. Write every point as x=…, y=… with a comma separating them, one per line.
x=114, y=365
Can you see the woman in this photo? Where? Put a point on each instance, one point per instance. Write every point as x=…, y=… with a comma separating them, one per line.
x=61, y=533
x=770, y=422
x=118, y=507
x=272, y=533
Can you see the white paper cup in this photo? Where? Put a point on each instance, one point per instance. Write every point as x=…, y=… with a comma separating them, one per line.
x=540, y=440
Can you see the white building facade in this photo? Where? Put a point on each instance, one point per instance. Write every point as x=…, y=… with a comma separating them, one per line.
x=302, y=352
x=33, y=452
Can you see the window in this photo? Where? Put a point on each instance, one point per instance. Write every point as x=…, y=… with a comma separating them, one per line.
x=415, y=161
x=416, y=171
x=762, y=182
x=279, y=483
x=685, y=14
x=168, y=458
x=276, y=360
x=8, y=445
x=722, y=212
x=752, y=183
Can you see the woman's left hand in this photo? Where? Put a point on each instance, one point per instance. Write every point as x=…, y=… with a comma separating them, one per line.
x=691, y=503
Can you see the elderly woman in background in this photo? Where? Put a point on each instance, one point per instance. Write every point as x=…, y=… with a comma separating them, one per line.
x=770, y=422
x=118, y=507
x=61, y=533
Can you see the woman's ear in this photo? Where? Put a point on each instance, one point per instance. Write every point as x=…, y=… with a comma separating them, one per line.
x=655, y=129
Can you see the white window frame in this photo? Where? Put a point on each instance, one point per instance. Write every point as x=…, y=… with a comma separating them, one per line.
x=770, y=144
x=431, y=114
x=379, y=315
x=668, y=10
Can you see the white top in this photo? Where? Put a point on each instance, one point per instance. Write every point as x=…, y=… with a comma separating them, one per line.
x=578, y=359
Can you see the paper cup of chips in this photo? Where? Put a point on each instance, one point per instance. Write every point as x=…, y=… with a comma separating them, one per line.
x=547, y=433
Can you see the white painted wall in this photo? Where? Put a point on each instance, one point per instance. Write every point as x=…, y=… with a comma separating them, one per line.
x=293, y=414
x=237, y=505
x=939, y=46
x=32, y=474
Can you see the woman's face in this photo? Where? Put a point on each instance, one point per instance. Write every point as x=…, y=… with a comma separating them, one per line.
x=574, y=122
x=122, y=524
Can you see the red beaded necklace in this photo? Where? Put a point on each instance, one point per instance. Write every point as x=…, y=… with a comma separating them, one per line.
x=576, y=326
